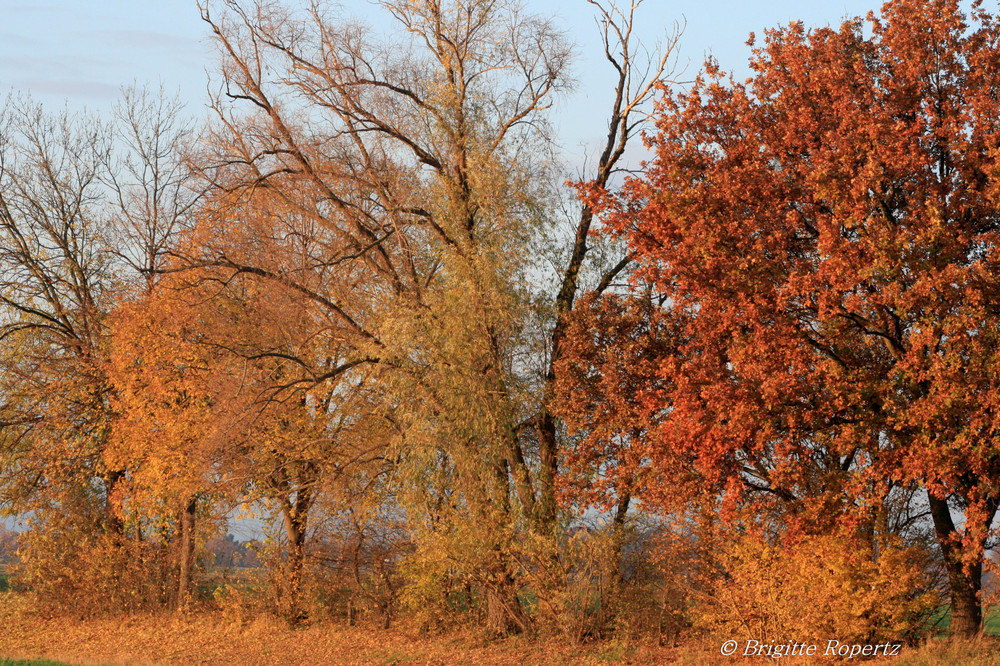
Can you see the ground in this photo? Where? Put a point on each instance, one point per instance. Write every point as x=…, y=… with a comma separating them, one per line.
x=166, y=638
x=171, y=639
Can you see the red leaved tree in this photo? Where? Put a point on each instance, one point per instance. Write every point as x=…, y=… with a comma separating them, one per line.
x=824, y=238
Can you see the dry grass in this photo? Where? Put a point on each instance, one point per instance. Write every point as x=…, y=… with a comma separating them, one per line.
x=204, y=639
x=982, y=652
x=201, y=639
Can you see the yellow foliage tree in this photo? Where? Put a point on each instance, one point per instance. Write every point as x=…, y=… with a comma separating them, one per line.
x=815, y=589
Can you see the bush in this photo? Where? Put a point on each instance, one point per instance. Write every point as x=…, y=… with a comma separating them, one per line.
x=69, y=564
x=595, y=582
x=433, y=592
x=240, y=603
x=813, y=589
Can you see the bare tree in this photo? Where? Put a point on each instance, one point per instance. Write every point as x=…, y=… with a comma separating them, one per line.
x=153, y=189
x=639, y=74
x=54, y=275
x=75, y=237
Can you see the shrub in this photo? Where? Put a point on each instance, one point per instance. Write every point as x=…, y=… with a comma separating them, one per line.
x=813, y=589
x=71, y=565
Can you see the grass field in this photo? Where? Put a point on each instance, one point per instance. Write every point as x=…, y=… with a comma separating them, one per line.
x=167, y=638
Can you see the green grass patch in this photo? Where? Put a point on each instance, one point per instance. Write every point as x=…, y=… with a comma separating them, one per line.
x=991, y=623
x=941, y=621
x=29, y=662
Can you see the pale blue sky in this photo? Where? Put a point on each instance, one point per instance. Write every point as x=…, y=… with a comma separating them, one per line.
x=83, y=51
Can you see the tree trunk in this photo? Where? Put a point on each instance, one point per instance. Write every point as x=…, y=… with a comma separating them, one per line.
x=621, y=512
x=548, y=451
x=966, y=609
x=504, y=615
x=964, y=582
x=113, y=521
x=296, y=556
x=295, y=530
x=185, y=553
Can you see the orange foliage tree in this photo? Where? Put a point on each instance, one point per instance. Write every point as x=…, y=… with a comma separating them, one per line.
x=823, y=240
x=82, y=218
x=236, y=383
x=176, y=405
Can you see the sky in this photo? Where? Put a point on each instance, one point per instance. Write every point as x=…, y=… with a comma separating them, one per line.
x=80, y=52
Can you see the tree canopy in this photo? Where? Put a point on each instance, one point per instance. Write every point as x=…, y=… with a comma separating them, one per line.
x=822, y=240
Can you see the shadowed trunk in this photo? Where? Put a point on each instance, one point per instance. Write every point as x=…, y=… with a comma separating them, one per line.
x=185, y=553
x=113, y=521
x=504, y=614
x=296, y=515
x=964, y=583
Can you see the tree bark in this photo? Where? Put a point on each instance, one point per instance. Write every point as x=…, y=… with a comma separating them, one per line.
x=113, y=521
x=548, y=451
x=296, y=514
x=964, y=582
x=621, y=511
x=185, y=553
x=504, y=614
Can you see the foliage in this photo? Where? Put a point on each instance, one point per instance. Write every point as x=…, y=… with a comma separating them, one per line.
x=350, y=308
x=72, y=566
x=814, y=589
x=824, y=237
x=601, y=581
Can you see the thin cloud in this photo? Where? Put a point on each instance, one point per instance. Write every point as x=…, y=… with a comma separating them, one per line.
x=9, y=39
x=71, y=88
x=29, y=9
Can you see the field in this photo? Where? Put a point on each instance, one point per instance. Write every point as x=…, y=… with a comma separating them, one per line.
x=198, y=639
x=29, y=639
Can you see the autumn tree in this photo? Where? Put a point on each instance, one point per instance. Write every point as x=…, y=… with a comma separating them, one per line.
x=418, y=158
x=248, y=390
x=418, y=177
x=588, y=262
x=55, y=277
x=69, y=184
x=176, y=405
x=824, y=237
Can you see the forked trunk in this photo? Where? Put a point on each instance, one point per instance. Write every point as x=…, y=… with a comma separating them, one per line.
x=504, y=614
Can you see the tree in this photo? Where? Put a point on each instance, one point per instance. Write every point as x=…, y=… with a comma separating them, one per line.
x=261, y=283
x=418, y=162
x=825, y=236
x=176, y=405
x=74, y=205
x=55, y=276
x=639, y=73
x=416, y=177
